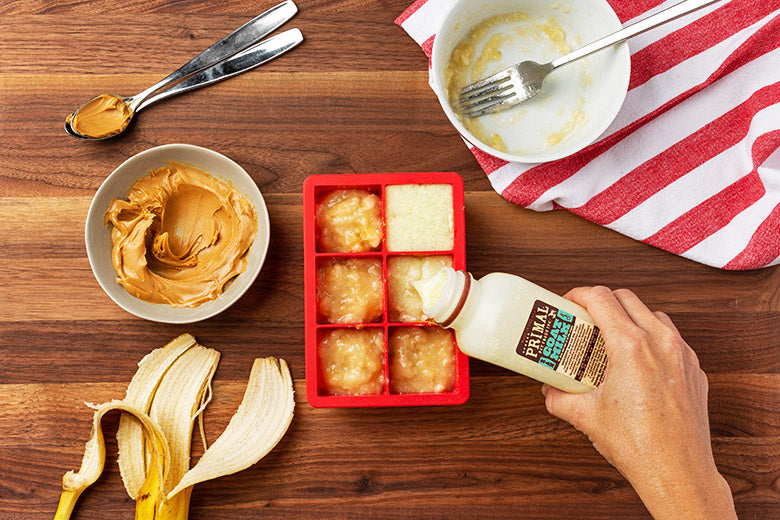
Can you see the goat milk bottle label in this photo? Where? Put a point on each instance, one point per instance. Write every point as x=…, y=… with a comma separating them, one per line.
x=564, y=343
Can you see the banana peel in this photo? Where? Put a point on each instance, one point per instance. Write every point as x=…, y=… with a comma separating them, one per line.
x=168, y=392
x=140, y=393
x=75, y=482
x=258, y=425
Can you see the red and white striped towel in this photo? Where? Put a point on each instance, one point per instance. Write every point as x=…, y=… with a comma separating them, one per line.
x=692, y=162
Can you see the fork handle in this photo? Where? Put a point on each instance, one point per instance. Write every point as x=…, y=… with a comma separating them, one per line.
x=667, y=15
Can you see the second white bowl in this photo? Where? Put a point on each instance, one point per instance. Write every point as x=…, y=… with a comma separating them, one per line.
x=578, y=101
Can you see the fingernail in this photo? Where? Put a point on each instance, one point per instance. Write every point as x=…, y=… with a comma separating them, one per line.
x=544, y=389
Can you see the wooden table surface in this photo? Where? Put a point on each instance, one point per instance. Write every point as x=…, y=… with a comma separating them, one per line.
x=353, y=98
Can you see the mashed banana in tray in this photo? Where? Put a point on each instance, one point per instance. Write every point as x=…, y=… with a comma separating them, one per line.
x=181, y=236
x=349, y=221
x=422, y=360
x=350, y=290
x=352, y=361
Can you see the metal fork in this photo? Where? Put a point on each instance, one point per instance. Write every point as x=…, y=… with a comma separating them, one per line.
x=524, y=80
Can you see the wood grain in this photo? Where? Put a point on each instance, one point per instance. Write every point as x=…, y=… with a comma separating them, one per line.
x=353, y=98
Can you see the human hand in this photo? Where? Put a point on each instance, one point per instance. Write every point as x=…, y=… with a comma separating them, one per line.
x=649, y=416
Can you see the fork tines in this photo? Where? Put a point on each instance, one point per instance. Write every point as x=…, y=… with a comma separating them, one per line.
x=487, y=95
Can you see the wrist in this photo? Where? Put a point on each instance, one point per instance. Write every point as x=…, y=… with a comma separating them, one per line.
x=696, y=494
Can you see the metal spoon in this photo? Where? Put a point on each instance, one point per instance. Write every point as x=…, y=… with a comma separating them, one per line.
x=213, y=65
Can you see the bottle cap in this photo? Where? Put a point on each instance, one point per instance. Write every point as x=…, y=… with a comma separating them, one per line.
x=464, y=293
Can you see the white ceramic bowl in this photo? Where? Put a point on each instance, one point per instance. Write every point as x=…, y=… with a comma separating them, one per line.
x=118, y=184
x=578, y=101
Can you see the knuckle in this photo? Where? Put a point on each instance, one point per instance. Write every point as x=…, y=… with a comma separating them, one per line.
x=633, y=337
x=705, y=381
x=661, y=315
x=624, y=293
x=671, y=341
x=673, y=352
x=631, y=342
x=599, y=292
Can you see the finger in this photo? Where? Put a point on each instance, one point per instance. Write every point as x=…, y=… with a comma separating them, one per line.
x=637, y=310
x=617, y=327
x=571, y=408
x=601, y=304
x=608, y=314
x=666, y=320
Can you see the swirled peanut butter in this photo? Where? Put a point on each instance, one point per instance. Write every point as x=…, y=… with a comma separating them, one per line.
x=181, y=236
x=102, y=116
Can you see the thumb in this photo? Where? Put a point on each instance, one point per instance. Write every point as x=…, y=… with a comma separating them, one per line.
x=572, y=408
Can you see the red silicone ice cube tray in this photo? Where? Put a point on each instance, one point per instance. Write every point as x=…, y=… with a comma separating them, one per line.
x=315, y=188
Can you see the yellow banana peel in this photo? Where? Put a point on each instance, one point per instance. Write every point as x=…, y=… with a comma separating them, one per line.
x=257, y=426
x=75, y=482
x=168, y=392
x=140, y=393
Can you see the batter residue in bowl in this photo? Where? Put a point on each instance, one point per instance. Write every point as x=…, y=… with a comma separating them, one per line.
x=481, y=53
x=181, y=236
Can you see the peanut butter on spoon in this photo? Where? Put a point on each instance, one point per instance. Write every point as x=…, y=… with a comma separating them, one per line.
x=239, y=51
x=101, y=116
x=181, y=236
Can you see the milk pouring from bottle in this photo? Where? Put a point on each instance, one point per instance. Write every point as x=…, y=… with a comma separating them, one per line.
x=508, y=321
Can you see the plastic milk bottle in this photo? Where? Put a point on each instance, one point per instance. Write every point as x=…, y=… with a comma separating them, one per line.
x=508, y=321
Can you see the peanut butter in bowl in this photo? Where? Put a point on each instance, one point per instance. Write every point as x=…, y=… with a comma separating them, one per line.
x=177, y=233
x=181, y=236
